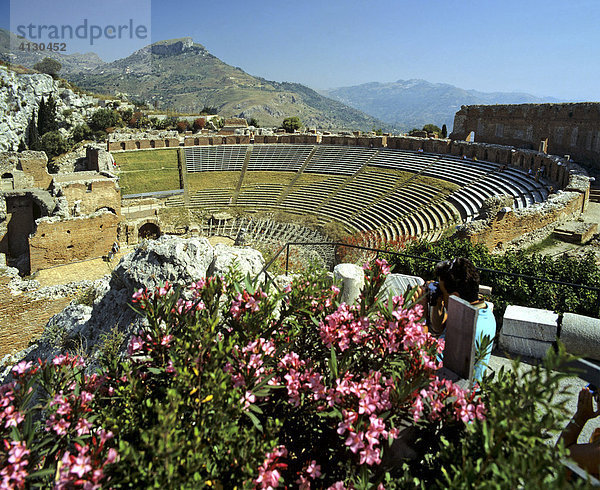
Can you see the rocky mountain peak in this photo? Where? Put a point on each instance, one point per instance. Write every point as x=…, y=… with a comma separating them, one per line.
x=171, y=47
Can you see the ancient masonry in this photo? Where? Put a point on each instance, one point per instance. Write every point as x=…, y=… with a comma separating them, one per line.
x=54, y=219
x=557, y=129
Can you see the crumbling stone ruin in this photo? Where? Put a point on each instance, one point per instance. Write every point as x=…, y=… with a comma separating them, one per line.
x=557, y=129
x=54, y=219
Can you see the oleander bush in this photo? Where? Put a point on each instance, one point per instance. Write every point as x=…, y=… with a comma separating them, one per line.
x=229, y=385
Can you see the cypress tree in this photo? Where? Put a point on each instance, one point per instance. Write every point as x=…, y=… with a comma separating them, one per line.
x=444, y=131
x=47, y=116
x=33, y=137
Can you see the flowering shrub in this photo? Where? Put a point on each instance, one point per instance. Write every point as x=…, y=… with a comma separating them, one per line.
x=230, y=384
x=67, y=446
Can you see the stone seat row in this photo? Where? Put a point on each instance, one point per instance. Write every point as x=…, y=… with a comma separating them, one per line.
x=338, y=160
x=291, y=158
x=384, y=214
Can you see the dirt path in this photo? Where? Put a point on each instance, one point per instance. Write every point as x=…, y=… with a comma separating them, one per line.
x=88, y=269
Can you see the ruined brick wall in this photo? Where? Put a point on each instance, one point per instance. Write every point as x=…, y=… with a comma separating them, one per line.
x=506, y=227
x=93, y=196
x=58, y=242
x=571, y=129
x=23, y=318
x=35, y=164
x=19, y=224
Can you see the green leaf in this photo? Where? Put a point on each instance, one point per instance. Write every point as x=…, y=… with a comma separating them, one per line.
x=255, y=421
x=42, y=473
x=333, y=367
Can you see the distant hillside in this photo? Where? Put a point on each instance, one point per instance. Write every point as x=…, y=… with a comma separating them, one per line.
x=180, y=75
x=76, y=62
x=407, y=104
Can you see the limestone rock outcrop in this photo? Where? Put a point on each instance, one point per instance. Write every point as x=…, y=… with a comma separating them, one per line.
x=84, y=327
x=20, y=96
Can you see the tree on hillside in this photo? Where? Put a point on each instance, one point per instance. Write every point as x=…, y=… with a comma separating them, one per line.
x=48, y=66
x=253, y=122
x=54, y=144
x=104, y=118
x=291, y=124
x=414, y=131
x=199, y=123
x=209, y=111
x=444, y=131
x=33, y=137
x=46, y=121
x=82, y=132
x=432, y=128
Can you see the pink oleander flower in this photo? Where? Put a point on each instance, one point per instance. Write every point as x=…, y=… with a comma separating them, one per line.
x=313, y=469
x=166, y=340
x=11, y=416
x=268, y=472
x=369, y=456
x=60, y=427
x=14, y=474
x=86, y=397
x=355, y=441
x=163, y=290
x=138, y=295
x=248, y=399
x=83, y=427
x=136, y=344
x=383, y=266
x=112, y=456
x=21, y=368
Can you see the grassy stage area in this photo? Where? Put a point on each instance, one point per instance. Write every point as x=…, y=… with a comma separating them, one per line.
x=147, y=171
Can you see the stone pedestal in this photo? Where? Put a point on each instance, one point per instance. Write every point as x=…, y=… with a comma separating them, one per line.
x=352, y=278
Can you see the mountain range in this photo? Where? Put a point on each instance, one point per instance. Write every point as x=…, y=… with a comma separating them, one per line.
x=184, y=76
x=407, y=104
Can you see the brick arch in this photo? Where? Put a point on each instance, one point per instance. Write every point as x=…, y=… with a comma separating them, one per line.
x=149, y=230
x=106, y=208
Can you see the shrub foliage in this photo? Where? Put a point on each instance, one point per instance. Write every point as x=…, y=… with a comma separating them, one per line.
x=512, y=290
x=230, y=386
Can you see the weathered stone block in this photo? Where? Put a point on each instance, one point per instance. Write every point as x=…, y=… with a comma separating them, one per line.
x=530, y=323
x=352, y=278
x=581, y=335
x=524, y=347
x=397, y=284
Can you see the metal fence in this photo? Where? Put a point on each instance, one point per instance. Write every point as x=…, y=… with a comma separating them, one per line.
x=502, y=281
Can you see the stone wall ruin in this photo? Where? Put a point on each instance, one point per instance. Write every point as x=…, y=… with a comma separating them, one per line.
x=560, y=129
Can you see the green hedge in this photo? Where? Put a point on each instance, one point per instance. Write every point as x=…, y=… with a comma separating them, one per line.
x=510, y=290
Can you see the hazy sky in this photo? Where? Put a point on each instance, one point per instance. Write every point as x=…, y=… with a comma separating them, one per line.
x=547, y=48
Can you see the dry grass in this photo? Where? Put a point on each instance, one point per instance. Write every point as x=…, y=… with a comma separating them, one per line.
x=147, y=171
x=146, y=160
x=212, y=180
x=139, y=182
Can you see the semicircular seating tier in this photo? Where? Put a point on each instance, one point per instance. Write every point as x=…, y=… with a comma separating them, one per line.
x=393, y=192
